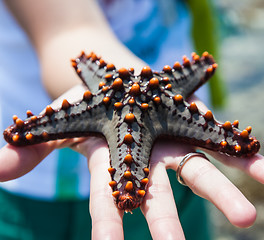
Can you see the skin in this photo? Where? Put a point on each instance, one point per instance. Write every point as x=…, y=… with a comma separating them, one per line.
x=59, y=30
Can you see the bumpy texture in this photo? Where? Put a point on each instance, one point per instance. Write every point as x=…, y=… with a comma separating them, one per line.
x=131, y=112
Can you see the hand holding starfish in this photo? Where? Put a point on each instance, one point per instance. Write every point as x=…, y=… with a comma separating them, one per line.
x=158, y=206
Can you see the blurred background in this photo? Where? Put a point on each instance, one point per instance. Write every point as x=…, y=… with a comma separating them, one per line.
x=241, y=64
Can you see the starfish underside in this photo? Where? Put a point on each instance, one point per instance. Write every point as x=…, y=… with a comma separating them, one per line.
x=131, y=112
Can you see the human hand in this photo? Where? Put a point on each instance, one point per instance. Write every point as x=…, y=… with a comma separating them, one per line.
x=158, y=206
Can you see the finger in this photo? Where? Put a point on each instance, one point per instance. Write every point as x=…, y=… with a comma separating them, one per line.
x=17, y=161
x=253, y=166
x=106, y=218
x=208, y=182
x=159, y=205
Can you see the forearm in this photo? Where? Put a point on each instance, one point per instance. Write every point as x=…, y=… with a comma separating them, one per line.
x=59, y=30
x=56, y=54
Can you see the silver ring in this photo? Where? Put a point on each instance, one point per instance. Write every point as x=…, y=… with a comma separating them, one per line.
x=185, y=160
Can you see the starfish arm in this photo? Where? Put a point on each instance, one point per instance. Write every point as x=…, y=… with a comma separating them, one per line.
x=70, y=120
x=93, y=70
x=185, y=79
x=130, y=148
x=182, y=79
x=187, y=123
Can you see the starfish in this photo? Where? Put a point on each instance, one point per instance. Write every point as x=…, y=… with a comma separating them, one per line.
x=131, y=112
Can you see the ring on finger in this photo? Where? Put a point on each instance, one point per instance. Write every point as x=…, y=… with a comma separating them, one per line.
x=184, y=161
